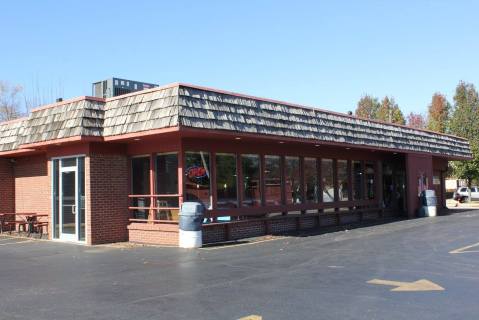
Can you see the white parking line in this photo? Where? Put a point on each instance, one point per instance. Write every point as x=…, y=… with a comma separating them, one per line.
x=17, y=242
x=466, y=249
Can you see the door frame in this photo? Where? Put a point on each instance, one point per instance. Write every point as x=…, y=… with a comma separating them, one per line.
x=60, y=236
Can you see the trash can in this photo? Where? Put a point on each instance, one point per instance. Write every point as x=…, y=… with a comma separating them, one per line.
x=428, y=203
x=191, y=219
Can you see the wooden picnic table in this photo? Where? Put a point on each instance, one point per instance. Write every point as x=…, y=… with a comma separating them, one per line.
x=29, y=218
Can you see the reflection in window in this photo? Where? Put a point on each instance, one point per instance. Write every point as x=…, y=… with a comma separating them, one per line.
x=272, y=176
x=358, y=181
x=197, y=177
x=343, y=179
x=328, y=180
x=226, y=190
x=140, y=179
x=311, y=180
x=250, y=164
x=370, y=183
x=167, y=183
x=293, y=183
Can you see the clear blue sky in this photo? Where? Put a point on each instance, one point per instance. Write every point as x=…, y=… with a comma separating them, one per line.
x=318, y=53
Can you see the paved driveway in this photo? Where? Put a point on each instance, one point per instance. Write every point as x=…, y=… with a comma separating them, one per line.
x=313, y=277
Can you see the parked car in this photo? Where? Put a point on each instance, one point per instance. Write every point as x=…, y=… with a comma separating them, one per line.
x=462, y=194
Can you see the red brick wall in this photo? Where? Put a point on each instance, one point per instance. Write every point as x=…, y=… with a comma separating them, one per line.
x=107, y=198
x=416, y=165
x=159, y=234
x=7, y=187
x=32, y=185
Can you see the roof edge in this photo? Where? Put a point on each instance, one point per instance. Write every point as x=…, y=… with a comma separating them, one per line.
x=295, y=105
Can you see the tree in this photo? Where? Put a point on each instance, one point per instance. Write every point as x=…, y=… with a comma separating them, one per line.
x=367, y=107
x=389, y=111
x=438, y=113
x=416, y=120
x=9, y=101
x=465, y=123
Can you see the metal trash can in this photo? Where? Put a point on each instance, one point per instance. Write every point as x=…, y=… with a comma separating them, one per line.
x=428, y=203
x=191, y=221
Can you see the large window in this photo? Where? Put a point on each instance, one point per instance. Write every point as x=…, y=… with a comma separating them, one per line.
x=167, y=183
x=250, y=165
x=311, y=180
x=343, y=180
x=197, y=177
x=358, y=181
x=293, y=182
x=226, y=190
x=370, y=182
x=272, y=177
x=140, y=180
x=328, y=180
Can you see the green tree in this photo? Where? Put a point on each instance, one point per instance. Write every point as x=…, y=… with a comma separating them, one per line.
x=389, y=111
x=438, y=113
x=465, y=123
x=367, y=107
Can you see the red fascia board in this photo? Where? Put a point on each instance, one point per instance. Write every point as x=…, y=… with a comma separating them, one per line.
x=61, y=141
x=16, y=152
x=140, y=134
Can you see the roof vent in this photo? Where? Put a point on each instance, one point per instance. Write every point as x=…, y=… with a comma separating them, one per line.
x=59, y=100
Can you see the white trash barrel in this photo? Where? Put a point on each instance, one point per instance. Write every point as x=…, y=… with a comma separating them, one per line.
x=429, y=203
x=191, y=220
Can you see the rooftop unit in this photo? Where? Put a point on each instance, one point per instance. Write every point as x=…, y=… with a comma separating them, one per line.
x=113, y=87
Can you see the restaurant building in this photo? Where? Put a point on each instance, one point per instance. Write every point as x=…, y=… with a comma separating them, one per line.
x=117, y=169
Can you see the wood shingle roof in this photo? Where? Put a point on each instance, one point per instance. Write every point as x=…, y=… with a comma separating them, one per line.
x=202, y=108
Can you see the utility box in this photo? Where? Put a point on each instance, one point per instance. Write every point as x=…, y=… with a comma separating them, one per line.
x=191, y=224
x=428, y=203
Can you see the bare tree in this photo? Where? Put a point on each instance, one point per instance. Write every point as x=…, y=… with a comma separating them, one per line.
x=10, y=105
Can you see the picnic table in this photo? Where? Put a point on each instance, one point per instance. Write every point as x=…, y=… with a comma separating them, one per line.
x=23, y=219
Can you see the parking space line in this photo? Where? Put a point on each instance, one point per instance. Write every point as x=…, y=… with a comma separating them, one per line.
x=235, y=245
x=6, y=239
x=16, y=242
x=465, y=249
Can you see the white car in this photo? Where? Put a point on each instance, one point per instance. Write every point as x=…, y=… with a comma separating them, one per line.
x=462, y=193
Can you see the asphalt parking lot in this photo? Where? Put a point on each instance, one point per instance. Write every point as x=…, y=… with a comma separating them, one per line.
x=366, y=273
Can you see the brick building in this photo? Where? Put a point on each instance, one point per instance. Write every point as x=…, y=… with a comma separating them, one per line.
x=117, y=169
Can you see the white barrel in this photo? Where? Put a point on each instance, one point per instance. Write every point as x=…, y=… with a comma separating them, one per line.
x=431, y=211
x=191, y=239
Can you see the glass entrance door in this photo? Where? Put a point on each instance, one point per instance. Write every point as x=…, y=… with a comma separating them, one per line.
x=69, y=199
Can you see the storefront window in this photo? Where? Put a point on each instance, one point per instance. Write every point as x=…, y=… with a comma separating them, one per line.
x=197, y=177
x=311, y=180
x=358, y=181
x=370, y=182
x=293, y=182
x=140, y=179
x=250, y=164
x=328, y=180
x=343, y=179
x=226, y=190
x=167, y=183
x=272, y=177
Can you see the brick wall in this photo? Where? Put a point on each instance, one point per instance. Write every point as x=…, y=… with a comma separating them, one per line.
x=159, y=234
x=7, y=186
x=32, y=185
x=107, y=198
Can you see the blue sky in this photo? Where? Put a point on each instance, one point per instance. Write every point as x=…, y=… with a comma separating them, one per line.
x=319, y=53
